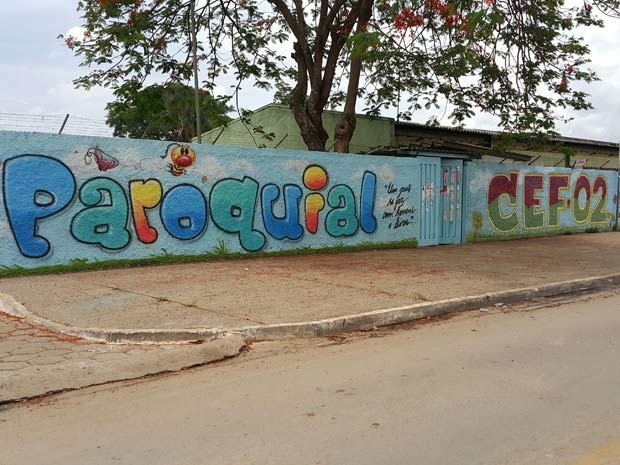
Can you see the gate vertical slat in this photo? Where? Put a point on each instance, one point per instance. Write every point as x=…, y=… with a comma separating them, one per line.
x=429, y=201
x=451, y=199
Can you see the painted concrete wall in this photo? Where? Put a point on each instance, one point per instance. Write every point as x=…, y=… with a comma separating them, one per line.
x=504, y=202
x=67, y=199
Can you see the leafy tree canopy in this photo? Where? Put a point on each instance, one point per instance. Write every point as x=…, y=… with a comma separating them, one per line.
x=520, y=60
x=163, y=112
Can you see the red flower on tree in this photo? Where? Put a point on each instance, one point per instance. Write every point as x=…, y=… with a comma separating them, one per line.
x=70, y=42
x=406, y=19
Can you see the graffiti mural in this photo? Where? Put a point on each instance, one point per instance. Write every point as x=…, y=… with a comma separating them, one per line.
x=505, y=202
x=152, y=197
x=66, y=199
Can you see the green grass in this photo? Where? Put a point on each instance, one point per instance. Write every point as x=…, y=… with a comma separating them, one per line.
x=219, y=253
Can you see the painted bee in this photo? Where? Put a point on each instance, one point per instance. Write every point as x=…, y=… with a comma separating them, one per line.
x=181, y=158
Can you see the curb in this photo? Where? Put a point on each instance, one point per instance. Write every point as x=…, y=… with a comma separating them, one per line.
x=347, y=323
x=35, y=382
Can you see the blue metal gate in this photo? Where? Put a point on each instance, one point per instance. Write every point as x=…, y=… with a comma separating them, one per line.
x=451, y=201
x=441, y=200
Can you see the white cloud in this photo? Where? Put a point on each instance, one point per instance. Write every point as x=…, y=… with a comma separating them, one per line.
x=219, y=91
x=64, y=90
x=208, y=166
x=478, y=182
x=296, y=166
x=77, y=32
x=244, y=166
x=385, y=173
x=38, y=70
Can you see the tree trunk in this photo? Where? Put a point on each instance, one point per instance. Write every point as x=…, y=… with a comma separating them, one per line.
x=307, y=110
x=312, y=73
x=346, y=125
x=309, y=118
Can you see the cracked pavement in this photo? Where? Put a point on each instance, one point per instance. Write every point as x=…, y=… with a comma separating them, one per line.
x=34, y=361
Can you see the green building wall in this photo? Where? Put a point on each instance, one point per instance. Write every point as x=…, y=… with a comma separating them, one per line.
x=370, y=132
x=375, y=132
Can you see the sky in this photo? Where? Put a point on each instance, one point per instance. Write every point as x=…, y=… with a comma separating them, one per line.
x=37, y=71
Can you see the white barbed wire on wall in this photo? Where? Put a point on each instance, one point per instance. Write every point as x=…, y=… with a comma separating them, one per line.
x=76, y=125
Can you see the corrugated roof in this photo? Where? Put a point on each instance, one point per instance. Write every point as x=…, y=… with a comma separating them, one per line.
x=460, y=130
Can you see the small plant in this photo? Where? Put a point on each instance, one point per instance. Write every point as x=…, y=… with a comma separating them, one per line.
x=221, y=250
x=610, y=219
x=11, y=269
x=477, y=223
x=568, y=154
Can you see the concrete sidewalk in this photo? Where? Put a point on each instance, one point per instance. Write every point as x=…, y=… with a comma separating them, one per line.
x=266, y=291
x=34, y=362
x=237, y=293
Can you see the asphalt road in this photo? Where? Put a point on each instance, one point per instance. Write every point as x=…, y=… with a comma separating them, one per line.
x=529, y=386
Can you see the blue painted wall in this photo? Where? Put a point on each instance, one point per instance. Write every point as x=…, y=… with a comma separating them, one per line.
x=504, y=201
x=70, y=198
x=65, y=199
